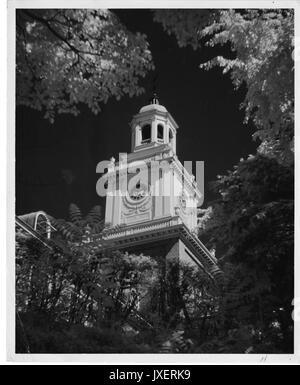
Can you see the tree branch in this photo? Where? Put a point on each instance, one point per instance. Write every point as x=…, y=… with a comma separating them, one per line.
x=51, y=29
x=59, y=36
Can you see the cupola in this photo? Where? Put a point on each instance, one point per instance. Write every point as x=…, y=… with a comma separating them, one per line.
x=153, y=126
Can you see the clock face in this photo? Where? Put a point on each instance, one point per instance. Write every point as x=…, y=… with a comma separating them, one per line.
x=138, y=194
x=137, y=205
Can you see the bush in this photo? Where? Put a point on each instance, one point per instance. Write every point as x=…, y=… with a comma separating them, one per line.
x=41, y=334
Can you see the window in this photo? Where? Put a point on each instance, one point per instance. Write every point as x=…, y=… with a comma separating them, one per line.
x=170, y=135
x=146, y=133
x=160, y=132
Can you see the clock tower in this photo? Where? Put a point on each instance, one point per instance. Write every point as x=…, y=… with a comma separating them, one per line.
x=152, y=200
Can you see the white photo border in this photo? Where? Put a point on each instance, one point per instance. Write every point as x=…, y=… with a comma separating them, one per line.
x=132, y=359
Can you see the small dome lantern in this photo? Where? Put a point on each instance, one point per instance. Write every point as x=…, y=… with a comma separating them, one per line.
x=153, y=126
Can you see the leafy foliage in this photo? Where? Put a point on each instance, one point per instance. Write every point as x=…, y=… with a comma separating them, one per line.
x=177, y=344
x=186, y=24
x=251, y=227
x=71, y=56
x=262, y=44
x=45, y=335
x=80, y=230
x=78, y=283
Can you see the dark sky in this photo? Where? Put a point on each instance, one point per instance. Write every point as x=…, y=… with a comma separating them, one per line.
x=56, y=163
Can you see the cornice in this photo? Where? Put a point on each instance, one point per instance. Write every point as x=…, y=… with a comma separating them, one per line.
x=153, y=231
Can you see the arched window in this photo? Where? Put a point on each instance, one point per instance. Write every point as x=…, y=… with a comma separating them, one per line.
x=170, y=135
x=146, y=133
x=160, y=132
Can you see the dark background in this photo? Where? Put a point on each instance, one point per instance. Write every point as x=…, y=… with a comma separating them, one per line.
x=56, y=163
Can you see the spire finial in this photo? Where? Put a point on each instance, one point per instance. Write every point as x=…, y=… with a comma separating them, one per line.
x=154, y=99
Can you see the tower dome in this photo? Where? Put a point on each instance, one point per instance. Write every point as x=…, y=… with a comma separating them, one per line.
x=153, y=107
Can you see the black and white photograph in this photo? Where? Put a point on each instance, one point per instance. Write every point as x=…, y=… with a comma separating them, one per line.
x=154, y=181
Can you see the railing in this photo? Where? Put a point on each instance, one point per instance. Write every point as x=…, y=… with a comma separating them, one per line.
x=34, y=233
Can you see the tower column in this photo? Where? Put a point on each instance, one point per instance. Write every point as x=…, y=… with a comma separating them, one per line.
x=156, y=187
x=133, y=139
x=174, y=143
x=167, y=191
x=153, y=130
x=123, y=184
x=172, y=187
x=110, y=192
x=166, y=133
x=109, y=201
x=138, y=135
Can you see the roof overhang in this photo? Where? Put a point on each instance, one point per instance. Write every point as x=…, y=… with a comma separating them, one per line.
x=125, y=237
